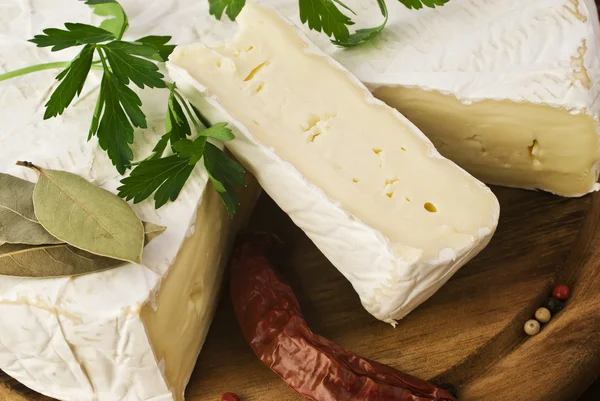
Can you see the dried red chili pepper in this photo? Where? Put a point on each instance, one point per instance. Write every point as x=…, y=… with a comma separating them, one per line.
x=315, y=367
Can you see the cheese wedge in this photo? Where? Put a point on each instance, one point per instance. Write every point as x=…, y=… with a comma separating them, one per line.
x=509, y=93
x=365, y=184
x=507, y=89
x=132, y=333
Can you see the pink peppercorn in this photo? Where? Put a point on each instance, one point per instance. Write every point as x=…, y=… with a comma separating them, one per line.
x=561, y=292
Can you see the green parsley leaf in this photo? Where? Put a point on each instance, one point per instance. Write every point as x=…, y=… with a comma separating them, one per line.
x=97, y=114
x=118, y=22
x=218, y=131
x=72, y=80
x=126, y=66
x=159, y=148
x=160, y=44
x=148, y=177
x=115, y=131
x=193, y=150
x=131, y=103
x=177, y=126
x=366, y=34
x=234, y=7
x=135, y=49
x=345, y=6
x=418, y=4
x=224, y=173
x=75, y=35
x=203, y=120
x=164, y=176
x=324, y=16
x=117, y=109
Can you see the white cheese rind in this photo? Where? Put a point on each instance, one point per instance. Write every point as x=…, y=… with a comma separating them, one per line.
x=490, y=49
x=390, y=278
x=69, y=344
x=99, y=337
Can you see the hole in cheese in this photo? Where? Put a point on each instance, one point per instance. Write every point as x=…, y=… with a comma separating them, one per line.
x=378, y=153
x=312, y=122
x=314, y=136
x=259, y=87
x=430, y=207
x=255, y=71
x=533, y=149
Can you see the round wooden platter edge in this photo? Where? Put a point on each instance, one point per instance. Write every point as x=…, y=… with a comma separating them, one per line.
x=563, y=360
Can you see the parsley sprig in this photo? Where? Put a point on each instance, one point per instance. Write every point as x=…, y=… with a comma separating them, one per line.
x=165, y=176
x=327, y=16
x=119, y=111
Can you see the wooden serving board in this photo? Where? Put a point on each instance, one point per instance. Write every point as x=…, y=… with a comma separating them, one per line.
x=469, y=334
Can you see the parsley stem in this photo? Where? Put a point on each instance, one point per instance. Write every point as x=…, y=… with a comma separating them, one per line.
x=33, y=68
x=137, y=163
x=38, y=67
x=103, y=60
x=196, y=113
x=191, y=115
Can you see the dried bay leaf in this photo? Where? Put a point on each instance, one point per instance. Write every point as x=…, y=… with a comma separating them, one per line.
x=86, y=216
x=50, y=261
x=18, y=224
x=151, y=231
x=59, y=260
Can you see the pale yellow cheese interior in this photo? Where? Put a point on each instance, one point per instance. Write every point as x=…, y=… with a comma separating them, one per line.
x=178, y=320
x=359, y=151
x=506, y=143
